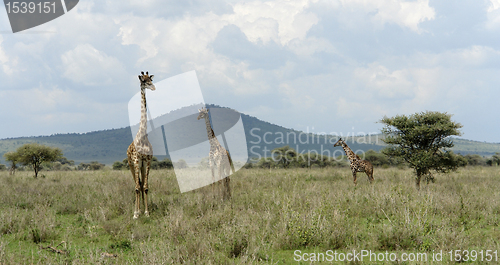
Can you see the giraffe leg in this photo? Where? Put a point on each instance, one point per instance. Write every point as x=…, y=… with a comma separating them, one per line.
x=134, y=169
x=137, y=188
x=210, y=162
x=227, y=180
x=142, y=183
x=368, y=169
x=354, y=169
x=223, y=181
x=221, y=188
x=131, y=166
x=214, y=186
x=369, y=172
x=145, y=186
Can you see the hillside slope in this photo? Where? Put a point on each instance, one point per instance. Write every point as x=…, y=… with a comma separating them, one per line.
x=108, y=146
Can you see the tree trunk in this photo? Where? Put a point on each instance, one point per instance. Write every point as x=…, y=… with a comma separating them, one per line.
x=36, y=170
x=417, y=178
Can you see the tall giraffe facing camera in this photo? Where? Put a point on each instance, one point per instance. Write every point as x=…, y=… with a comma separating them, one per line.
x=140, y=151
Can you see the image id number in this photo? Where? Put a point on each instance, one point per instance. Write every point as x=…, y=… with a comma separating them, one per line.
x=31, y=7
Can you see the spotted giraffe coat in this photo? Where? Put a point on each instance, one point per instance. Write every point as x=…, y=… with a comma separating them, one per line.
x=356, y=164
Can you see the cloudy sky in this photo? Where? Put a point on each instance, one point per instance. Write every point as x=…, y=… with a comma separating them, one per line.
x=335, y=66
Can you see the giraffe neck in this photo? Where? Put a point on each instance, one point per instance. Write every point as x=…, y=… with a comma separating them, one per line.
x=143, y=126
x=349, y=153
x=211, y=135
x=141, y=141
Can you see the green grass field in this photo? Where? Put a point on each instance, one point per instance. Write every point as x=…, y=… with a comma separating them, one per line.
x=273, y=213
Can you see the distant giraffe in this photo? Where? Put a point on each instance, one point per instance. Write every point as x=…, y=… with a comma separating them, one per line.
x=218, y=156
x=12, y=169
x=140, y=151
x=357, y=165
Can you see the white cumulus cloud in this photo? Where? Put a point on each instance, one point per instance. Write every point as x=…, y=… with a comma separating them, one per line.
x=407, y=14
x=280, y=21
x=87, y=65
x=7, y=64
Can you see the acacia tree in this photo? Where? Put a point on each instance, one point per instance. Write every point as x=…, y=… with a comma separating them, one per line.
x=495, y=160
x=266, y=162
x=422, y=140
x=284, y=155
x=13, y=158
x=34, y=154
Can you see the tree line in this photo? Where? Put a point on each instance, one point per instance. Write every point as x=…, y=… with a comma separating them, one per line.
x=37, y=157
x=287, y=157
x=155, y=164
x=420, y=141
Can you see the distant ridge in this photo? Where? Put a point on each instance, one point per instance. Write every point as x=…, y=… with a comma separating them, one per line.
x=104, y=146
x=108, y=146
x=465, y=147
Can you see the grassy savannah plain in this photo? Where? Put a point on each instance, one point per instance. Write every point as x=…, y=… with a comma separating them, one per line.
x=87, y=217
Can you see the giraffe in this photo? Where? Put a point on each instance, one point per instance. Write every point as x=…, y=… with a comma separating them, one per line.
x=218, y=156
x=140, y=151
x=357, y=165
x=12, y=169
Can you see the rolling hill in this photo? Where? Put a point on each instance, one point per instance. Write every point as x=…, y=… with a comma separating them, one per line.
x=110, y=145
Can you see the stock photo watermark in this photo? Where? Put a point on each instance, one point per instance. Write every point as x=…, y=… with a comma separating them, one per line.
x=299, y=143
x=372, y=256
x=26, y=14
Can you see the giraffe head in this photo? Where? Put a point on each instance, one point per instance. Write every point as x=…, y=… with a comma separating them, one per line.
x=203, y=113
x=339, y=142
x=146, y=81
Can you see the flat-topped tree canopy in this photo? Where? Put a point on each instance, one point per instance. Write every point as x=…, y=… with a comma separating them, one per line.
x=422, y=140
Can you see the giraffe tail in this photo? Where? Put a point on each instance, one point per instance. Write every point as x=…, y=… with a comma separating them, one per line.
x=230, y=162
